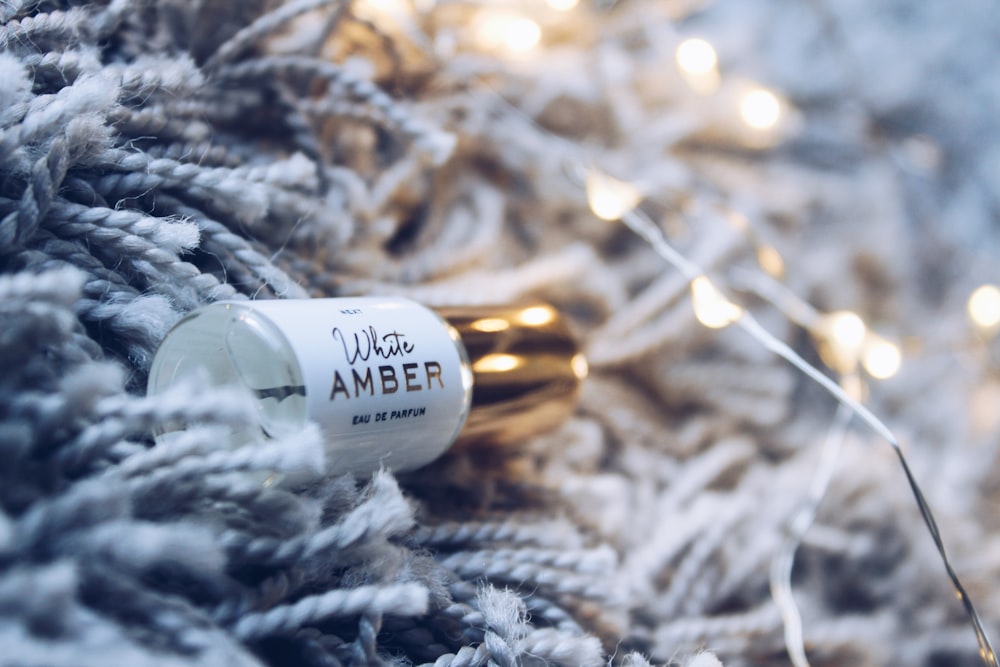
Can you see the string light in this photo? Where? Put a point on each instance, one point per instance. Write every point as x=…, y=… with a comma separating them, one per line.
x=984, y=307
x=881, y=358
x=522, y=34
x=847, y=332
x=696, y=56
x=844, y=335
x=770, y=261
x=375, y=9
x=506, y=31
x=711, y=307
x=760, y=109
x=562, y=5
x=801, y=520
x=698, y=64
x=608, y=197
x=841, y=337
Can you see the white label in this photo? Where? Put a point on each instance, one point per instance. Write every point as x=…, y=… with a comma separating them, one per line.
x=384, y=377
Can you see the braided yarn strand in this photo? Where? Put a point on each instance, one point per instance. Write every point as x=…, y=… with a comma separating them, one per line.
x=161, y=155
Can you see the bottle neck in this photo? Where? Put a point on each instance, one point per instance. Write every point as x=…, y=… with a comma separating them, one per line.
x=527, y=369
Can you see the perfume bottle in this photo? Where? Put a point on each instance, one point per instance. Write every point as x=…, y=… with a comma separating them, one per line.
x=390, y=382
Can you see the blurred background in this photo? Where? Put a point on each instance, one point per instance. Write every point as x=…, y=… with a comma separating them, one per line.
x=693, y=184
x=833, y=168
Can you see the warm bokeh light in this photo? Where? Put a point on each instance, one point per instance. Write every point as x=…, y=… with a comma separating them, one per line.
x=760, y=109
x=841, y=337
x=562, y=5
x=882, y=359
x=521, y=34
x=696, y=56
x=496, y=363
x=490, y=324
x=846, y=330
x=610, y=198
x=711, y=307
x=536, y=316
x=580, y=366
x=698, y=64
x=984, y=306
x=375, y=9
x=770, y=261
x=499, y=30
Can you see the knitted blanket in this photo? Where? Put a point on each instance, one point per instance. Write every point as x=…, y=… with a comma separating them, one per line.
x=159, y=155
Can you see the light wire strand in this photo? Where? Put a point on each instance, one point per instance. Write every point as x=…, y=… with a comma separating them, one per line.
x=646, y=229
x=640, y=224
x=801, y=520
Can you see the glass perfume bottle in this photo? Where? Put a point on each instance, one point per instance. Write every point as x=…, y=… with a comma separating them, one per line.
x=390, y=382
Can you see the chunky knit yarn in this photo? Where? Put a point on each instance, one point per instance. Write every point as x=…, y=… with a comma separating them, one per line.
x=158, y=155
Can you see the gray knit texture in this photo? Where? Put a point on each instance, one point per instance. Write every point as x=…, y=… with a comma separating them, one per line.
x=159, y=155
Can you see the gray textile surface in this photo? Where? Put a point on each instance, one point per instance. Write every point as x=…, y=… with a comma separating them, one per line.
x=163, y=154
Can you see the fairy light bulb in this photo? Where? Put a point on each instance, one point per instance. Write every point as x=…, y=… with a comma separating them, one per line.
x=375, y=9
x=770, y=261
x=984, y=307
x=610, y=198
x=881, y=358
x=505, y=31
x=698, y=64
x=382, y=5
x=841, y=337
x=847, y=330
x=760, y=109
x=522, y=34
x=562, y=5
x=696, y=56
x=488, y=29
x=711, y=307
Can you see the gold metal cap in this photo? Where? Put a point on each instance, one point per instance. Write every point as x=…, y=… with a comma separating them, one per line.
x=527, y=367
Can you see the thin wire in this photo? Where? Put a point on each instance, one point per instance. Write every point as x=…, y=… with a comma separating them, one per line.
x=986, y=652
x=805, y=515
x=646, y=229
x=640, y=223
x=778, y=295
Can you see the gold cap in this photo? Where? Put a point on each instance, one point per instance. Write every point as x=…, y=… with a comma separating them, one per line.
x=527, y=367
